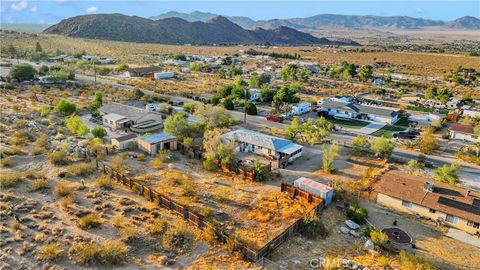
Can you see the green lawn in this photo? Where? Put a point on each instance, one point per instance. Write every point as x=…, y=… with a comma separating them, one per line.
x=388, y=130
x=356, y=124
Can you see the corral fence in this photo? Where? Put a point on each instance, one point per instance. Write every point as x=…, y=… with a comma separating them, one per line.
x=200, y=221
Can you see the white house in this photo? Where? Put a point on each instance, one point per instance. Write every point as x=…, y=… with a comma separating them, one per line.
x=88, y=57
x=471, y=113
x=358, y=111
x=263, y=144
x=254, y=94
x=104, y=60
x=463, y=132
x=453, y=103
x=301, y=108
x=123, y=117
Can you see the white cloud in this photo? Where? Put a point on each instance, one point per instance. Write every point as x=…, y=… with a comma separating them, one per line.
x=34, y=9
x=19, y=5
x=419, y=10
x=41, y=21
x=92, y=9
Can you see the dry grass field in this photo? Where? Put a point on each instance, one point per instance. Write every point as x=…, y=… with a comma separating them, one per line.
x=417, y=63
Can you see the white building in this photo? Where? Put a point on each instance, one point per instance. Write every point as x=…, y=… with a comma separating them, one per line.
x=471, y=113
x=463, y=132
x=453, y=103
x=352, y=110
x=263, y=144
x=163, y=75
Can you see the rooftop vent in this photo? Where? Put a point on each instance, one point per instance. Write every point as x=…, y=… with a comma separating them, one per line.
x=428, y=186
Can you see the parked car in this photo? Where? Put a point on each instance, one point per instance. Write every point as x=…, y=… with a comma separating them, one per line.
x=275, y=118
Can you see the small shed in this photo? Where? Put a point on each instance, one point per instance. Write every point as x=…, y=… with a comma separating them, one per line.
x=152, y=144
x=315, y=188
x=124, y=142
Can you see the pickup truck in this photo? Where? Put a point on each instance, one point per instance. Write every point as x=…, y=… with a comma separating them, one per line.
x=275, y=118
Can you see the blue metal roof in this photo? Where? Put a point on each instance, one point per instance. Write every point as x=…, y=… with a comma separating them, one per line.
x=157, y=137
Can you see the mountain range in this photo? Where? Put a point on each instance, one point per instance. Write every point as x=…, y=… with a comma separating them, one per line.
x=174, y=30
x=333, y=20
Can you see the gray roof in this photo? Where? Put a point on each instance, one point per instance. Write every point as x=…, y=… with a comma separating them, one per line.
x=157, y=137
x=125, y=137
x=352, y=107
x=132, y=113
x=258, y=139
x=113, y=116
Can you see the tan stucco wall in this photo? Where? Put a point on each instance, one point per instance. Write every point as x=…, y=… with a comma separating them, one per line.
x=423, y=211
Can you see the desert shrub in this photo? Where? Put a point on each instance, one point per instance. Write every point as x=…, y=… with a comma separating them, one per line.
x=357, y=214
x=86, y=253
x=39, y=237
x=180, y=238
x=141, y=157
x=213, y=232
x=113, y=253
x=6, y=161
x=109, y=253
x=10, y=178
x=83, y=169
x=379, y=238
x=312, y=227
x=410, y=261
x=164, y=156
x=383, y=261
x=58, y=158
x=207, y=212
x=63, y=189
x=66, y=201
x=368, y=230
x=39, y=184
x=16, y=225
x=89, y=221
x=20, y=137
x=104, y=181
x=157, y=227
x=210, y=164
x=118, y=164
x=221, y=194
x=119, y=221
x=50, y=252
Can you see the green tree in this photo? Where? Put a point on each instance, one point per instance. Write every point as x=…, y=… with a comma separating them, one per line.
x=427, y=142
x=43, y=70
x=366, y=73
x=38, y=47
x=444, y=95
x=289, y=72
x=228, y=104
x=260, y=171
x=189, y=107
x=176, y=125
x=75, y=125
x=197, y=67
x=65, y=107
x=60, y=75
x=295, y=128
x=251, y=108
x=122, y=67
x=266, y=94
x=22, y=72
x=225, y=91
x=103, y=71
x=431, y=92
x=357, y=213
x=447, y=174
x=181, y=57
x=286, y=95
x=97, y=101
x=329, y=153
x=253, y=82
x=211, y=117
x=303, y=74
x=264, y=79
x=360, y=145
x=382, y=147
x=379, y=238
x=349, y=70
x=99, y=132
x=415, y=165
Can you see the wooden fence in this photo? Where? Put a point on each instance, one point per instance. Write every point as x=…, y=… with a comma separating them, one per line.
x=200, y=222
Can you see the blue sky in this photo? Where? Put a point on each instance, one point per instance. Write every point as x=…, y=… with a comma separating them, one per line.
x=52, y=11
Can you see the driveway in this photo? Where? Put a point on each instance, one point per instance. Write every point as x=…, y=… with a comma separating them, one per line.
x=370, y=128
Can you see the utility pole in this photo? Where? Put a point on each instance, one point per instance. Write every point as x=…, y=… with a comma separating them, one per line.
x=245, y=109
x=94, y=74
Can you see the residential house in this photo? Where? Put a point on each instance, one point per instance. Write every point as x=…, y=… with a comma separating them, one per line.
x=154, y=143
x=453, y=103
x=471, y=113
x=124, y=142
x=353, y=110
x=124, y=117
x=378, y=82
x=452, y=205
x=263, y=144
x=141, y=72
x=58, y=58
x=463, y=132
x=301, y=108
x=88, y=57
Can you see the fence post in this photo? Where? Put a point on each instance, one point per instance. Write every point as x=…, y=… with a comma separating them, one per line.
x=104, y=170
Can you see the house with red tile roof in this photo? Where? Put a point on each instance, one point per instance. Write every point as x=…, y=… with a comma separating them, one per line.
x=463, y=132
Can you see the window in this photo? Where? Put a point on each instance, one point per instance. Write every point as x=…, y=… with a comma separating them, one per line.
x=432, y=211
x=452, y=219
x=269, y=151
x=407, y=204
x=473, y=224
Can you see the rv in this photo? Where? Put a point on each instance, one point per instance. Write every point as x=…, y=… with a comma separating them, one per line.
x=301, y=108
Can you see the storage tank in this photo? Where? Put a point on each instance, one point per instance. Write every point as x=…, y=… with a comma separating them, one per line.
x=315, y=188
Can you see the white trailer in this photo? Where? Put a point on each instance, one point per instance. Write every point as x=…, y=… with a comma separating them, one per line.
x=301, y=108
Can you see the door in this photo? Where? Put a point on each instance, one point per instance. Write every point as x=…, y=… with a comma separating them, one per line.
x=166, y=145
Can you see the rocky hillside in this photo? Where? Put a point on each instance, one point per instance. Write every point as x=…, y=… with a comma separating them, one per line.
x=335, y=21
x=217, y=30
